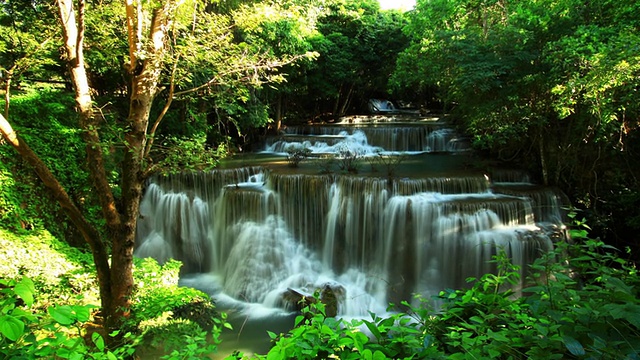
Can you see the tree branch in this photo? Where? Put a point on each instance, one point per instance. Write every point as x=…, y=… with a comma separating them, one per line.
x=267, y=65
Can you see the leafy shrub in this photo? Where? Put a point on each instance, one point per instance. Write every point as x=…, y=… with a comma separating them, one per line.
x=317, y=336
x=583, y=302
x=176, y=155
x=29, y=334
x=181, y=320
x=295, y=155
x=157, y=292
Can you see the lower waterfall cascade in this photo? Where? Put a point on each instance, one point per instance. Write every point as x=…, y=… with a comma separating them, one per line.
x=248, y=233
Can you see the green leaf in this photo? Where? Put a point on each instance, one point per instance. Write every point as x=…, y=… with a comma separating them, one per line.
x=11, y=327
x=494, y=353
x=374, y=329
x=379, y=355
x=573, y=345
x=367, y=354
x=83, y=313
x=25, y=290
x=299, y=320
x=98, y=341
x=63, y=315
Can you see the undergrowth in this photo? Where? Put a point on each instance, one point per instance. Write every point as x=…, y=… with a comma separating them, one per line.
x=581, y=301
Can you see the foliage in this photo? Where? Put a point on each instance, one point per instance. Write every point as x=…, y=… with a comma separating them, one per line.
x=181, y=320
x=295, y=154
x=48, y=301
x=40, y=115
x=319, y=336
x=157, y=291
x=358, y=45
x=25, y=333
x=583, y=302
x=26, y=49
x=187, y=154
x=551, y=84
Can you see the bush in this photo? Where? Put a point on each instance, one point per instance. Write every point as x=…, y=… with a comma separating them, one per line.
x=295, y=155
x=583, y=302
x=26, y=333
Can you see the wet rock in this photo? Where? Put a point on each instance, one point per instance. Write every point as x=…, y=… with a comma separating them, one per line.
x=328, y=294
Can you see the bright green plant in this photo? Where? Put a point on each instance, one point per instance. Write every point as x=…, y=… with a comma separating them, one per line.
x=317, y=336
x=588, y=296
x=187, y=154
x=181, y=320
x=27, y=334
x=404, y=335
x=157, y=291
x=582, y=302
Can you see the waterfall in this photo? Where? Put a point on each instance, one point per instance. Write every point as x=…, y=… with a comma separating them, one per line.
x=366, y=140
x=251, y=233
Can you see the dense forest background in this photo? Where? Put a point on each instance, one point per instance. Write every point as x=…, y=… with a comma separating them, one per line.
x=549, y=85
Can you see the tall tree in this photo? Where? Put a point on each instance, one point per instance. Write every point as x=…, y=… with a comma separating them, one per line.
x=173, y=50
x=551, y=83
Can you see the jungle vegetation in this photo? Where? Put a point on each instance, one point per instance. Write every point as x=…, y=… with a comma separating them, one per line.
x=100, y=94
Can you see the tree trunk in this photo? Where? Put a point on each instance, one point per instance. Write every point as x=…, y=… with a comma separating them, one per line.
x=145, y=75
x=347, y=101
x=543, y=159
x=279, y=113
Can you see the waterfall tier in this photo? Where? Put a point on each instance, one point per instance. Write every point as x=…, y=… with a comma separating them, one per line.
x=260, y=232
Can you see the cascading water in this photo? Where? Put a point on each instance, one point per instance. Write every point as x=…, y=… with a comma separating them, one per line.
x=248, y=234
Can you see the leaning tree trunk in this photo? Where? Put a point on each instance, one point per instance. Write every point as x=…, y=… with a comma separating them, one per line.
x=73, y=33
x=90, y=234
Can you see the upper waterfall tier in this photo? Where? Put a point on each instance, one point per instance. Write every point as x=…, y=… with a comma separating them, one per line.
x=368, y=140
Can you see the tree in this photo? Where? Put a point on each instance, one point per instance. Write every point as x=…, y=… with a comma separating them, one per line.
x=549, y=83
x=159, y=61
x=25, y=31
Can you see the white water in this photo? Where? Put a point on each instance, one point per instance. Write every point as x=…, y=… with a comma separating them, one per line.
x=247, y=235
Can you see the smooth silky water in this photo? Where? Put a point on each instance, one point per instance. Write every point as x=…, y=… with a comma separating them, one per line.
x=256, y=227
